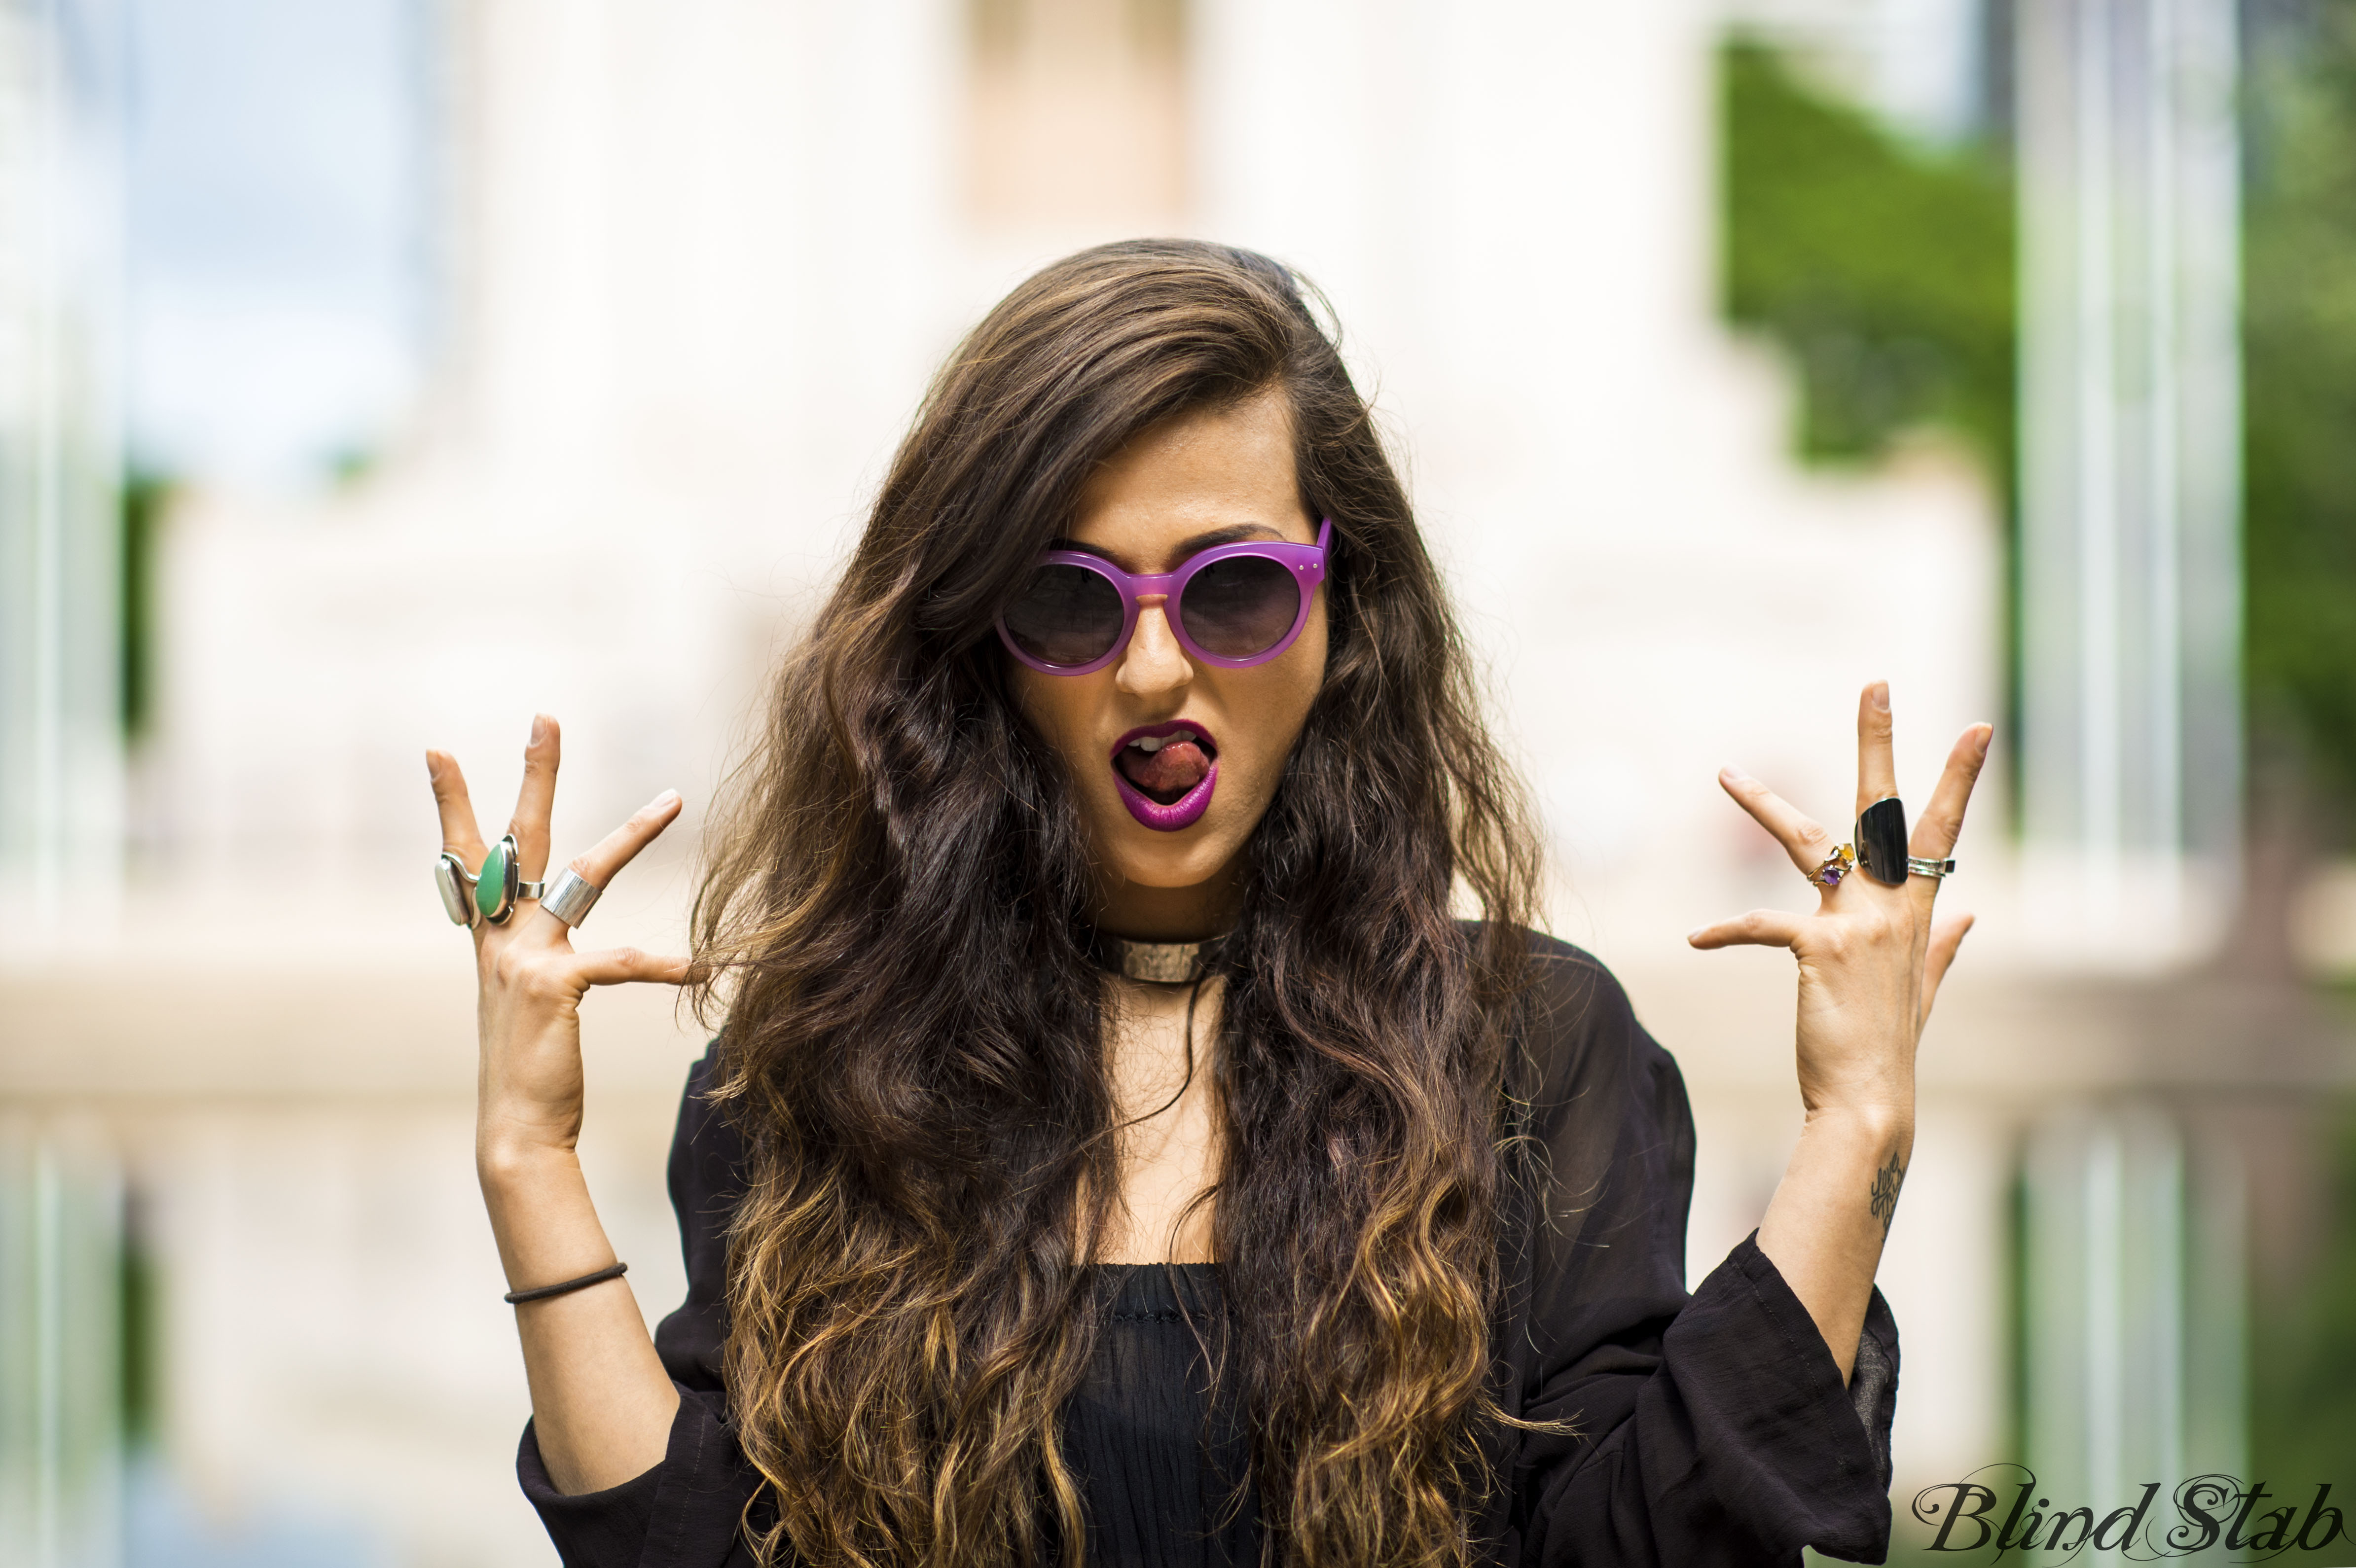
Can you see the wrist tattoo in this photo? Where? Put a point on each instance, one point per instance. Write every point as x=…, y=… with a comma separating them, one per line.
x=1886, y=1183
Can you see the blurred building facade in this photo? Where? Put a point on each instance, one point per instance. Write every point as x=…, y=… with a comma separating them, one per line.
x=701, y=259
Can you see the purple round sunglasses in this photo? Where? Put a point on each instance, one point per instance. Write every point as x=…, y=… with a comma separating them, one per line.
x=1233, y=606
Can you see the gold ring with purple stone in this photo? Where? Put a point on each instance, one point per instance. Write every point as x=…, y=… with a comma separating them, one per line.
x=1837, y=864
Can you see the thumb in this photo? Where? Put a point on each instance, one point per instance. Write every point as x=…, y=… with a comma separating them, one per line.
x=1759, y=928
x=620, y=965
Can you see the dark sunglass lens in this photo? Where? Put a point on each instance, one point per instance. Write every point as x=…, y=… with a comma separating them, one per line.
x=1065, y=615
x=1241, y=606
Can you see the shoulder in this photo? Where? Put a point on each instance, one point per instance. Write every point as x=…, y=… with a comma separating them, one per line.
x=707, y=1178
x=1571, y=992
x=707, y=1154
x=1569, y=995
x=1577, y=1039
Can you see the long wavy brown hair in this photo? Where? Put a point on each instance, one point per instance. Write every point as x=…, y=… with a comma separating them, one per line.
x=895, y=923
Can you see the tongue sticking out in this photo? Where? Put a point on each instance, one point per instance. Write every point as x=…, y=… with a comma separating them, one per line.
x=1166, y=774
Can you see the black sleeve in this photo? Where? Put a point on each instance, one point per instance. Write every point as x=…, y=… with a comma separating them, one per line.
x=686, y=1511
x=1709, y=1429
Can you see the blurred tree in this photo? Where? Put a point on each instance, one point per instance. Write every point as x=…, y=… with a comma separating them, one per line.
x=2303, y=1347
x=1884, y=269
x=1885, y=272
x=2299, y=371
x=138, y=1325
x=143, y=499
x=2300, y=348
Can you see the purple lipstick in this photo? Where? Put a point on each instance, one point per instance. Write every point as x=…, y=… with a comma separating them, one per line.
x=1166, y=773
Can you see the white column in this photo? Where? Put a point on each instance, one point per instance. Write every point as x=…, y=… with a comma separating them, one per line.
x=61, y=1398
x=2130, y=1374
x=60, y=576
x=2130, y=482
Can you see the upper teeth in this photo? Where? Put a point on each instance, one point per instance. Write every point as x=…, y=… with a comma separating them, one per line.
x=1150, y=744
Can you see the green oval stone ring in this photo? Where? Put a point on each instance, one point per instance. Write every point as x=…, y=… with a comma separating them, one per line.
x=499, y=886
x=495, y=884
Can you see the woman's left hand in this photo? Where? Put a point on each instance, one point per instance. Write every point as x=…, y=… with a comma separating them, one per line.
x=1871, y=957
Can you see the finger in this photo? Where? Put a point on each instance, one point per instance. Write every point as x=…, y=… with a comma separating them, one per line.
x=1941, y=821
x=620, y=846
x=1946, y=936
x=1803, y=839
x=538, y=795
x=1877, y=775
x=620, y=965
x=460, y=836
x=1759, y=928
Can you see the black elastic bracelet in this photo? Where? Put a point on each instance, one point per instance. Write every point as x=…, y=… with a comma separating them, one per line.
x=515, y=1296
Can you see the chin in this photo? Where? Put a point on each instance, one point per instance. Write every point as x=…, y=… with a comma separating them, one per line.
x=1169, y=866
x=1187, y=859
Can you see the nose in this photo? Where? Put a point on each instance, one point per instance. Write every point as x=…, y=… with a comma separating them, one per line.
x=1154, y=665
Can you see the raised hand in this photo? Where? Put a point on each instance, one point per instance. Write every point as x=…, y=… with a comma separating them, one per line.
x=1871, y=957
x=529, y=979
x=601, y=1399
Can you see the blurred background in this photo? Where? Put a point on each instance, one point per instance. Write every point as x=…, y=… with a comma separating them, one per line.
x=374, y=373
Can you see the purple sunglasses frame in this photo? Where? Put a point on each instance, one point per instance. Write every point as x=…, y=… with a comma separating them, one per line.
x=1307, y=561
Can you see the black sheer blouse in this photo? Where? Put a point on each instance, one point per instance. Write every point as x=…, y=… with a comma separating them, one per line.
x=1709, y=1429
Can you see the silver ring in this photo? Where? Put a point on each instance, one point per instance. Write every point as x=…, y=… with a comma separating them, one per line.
x=1917, y=866
x=571, y=897
x=456, y=886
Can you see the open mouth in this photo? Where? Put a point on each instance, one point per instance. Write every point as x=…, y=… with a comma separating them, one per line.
x=1167, y=772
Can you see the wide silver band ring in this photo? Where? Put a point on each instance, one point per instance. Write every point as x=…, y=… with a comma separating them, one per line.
x=570, y=897
x=1919, y=867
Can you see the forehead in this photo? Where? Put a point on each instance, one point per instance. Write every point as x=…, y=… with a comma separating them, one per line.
x=1219, y=470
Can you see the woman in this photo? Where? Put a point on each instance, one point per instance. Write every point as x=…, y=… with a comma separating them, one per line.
x=1115, y=1151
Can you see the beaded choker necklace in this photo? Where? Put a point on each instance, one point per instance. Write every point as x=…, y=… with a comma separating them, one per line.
x=1158, y=963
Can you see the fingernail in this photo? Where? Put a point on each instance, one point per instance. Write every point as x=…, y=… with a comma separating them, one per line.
x=1733, y=775
x=1882, y=695
x=539, y=727
x=662, y=800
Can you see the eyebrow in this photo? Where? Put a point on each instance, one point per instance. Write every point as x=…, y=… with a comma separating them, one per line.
x=1191, y=546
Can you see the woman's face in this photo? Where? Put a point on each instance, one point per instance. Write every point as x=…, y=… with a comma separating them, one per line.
x=1197, y=481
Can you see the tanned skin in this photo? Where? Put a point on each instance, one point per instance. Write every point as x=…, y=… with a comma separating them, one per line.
x=1870, y=960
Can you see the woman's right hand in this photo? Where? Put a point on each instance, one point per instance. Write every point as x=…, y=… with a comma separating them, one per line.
x=602, y=1400
x=529, y=979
